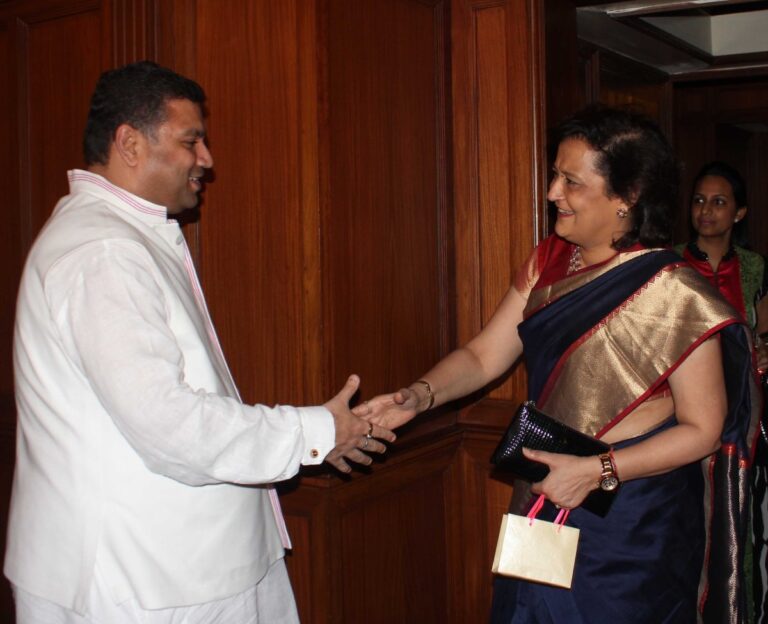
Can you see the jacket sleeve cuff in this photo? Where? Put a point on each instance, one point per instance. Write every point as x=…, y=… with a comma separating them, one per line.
x=319, y=434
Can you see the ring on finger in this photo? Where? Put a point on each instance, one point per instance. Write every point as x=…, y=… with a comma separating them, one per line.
x=365, y=442
x=369, y=435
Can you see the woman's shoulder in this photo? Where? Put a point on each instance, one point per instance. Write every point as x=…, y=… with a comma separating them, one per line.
x=679, y=248
x=754, y=276
x=685, y=289
x=747, y=255
x=552, y=253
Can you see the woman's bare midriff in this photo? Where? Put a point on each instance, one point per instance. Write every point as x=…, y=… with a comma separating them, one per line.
x=645, y=417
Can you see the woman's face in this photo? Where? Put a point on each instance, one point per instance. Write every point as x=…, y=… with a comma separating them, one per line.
x=586, y=215
x=714, y=209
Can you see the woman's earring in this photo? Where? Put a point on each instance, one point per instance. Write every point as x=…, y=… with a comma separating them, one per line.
x=622, y=213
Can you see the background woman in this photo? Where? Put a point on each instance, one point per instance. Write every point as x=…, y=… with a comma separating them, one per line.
x=618, y=336
x=718, y=214
x=718, y=218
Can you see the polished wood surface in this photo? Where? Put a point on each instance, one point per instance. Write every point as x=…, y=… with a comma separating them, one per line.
x=328, y=201
x=258, y=209
x=387, y=218
x=567, y=89
x=499, y=185
x=378, y=543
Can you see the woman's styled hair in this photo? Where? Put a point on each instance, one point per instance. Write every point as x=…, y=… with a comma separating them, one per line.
x=724, y=170
x=638, y=166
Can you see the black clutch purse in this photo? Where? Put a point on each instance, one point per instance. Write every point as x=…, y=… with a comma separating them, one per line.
x=531, y=428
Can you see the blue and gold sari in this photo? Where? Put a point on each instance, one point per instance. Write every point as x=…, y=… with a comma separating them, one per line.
x=598, y=343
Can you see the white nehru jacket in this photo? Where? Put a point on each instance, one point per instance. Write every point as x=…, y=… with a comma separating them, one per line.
x=134, y=449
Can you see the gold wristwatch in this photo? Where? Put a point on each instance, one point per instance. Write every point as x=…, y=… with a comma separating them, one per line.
x=609, y=480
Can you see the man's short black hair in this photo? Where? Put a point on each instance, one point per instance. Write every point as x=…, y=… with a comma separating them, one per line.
x=135, y=94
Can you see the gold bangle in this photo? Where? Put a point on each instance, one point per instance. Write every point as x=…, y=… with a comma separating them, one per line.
x=430, y=394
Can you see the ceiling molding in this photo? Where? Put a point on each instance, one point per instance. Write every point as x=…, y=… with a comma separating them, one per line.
x=675, y=42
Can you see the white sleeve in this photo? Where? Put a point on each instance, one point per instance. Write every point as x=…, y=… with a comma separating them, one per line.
x=111, y=311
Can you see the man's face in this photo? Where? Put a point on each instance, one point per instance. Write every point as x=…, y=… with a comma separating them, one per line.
x=175, y=158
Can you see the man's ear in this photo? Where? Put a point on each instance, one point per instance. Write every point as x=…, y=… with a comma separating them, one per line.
x=127, y=144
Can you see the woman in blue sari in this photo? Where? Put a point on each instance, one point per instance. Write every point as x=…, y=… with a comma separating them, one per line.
x=624, y=342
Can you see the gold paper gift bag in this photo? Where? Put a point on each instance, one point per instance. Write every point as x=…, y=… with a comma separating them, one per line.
x=536, y=550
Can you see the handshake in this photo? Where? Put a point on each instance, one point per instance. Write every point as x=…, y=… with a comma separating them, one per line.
x=360, y=430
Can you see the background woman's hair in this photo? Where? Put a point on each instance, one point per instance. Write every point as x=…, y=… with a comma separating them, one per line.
x=638, y=166
x=739, y=190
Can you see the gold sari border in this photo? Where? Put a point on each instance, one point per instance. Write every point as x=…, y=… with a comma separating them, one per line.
x=644, y=397
x=544, y=295
x=640, y=342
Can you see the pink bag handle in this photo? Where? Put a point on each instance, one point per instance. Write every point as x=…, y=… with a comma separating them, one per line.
x=562, y=515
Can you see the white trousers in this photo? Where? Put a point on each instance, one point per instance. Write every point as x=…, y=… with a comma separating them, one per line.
x=270, y=601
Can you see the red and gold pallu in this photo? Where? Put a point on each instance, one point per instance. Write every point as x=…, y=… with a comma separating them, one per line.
x=602, y=340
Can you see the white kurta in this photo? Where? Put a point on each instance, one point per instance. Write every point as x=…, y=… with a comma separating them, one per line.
x=131, y=435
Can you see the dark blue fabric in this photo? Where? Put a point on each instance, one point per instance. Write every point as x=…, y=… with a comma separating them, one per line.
x=638, y=565
x=641, y=563
x=544, y=343
x=737, y=366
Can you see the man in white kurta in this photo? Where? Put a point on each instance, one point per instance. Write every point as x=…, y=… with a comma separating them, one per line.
x=136, y=459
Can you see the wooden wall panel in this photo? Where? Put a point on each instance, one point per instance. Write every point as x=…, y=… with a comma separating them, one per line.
x=386, y=221
x=10, y=243
x=695, y=141
x=415, y=545
x=134, y=30
x=256, y=218
x=567, y=91
x=479, y=504
x=10, y=259
x=498, y=159
x=330, y=172
x=313, y=563
x=61, y=60
x=377, y=549
x=757, y=190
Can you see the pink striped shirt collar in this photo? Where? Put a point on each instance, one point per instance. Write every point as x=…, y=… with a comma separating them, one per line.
x=89, y=182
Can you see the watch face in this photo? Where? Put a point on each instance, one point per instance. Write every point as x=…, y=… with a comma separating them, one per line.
x=609, y=483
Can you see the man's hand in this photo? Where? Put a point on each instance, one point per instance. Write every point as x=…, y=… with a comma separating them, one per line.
x=354, y=437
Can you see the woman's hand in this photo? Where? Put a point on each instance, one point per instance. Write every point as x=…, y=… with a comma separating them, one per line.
x=570, y=479
x=389, y=410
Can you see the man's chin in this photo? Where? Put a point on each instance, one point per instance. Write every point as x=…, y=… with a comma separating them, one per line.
x=190, y=204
